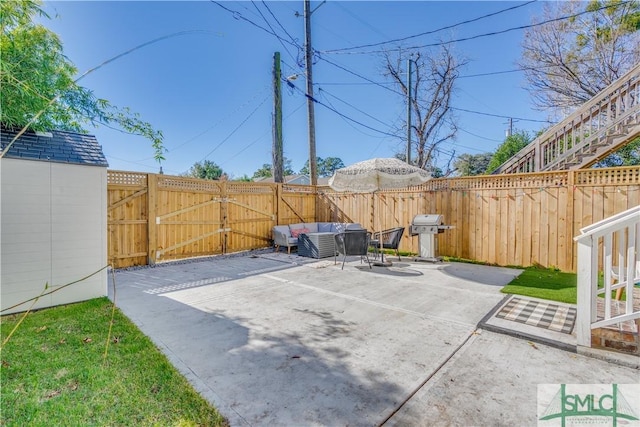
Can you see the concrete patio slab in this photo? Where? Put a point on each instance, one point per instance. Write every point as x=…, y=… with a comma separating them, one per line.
x=493, y=381
x=276, y=339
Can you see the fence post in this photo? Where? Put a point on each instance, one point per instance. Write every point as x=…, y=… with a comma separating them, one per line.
x=570, y=220
x=586, y=266
x=152, y=227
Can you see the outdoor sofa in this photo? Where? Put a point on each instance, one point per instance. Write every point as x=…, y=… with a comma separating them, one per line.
x=287, y=235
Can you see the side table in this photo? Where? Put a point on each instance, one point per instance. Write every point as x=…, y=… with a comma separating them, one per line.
x=316, y=245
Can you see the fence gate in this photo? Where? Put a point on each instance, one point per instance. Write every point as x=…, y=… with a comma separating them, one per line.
x=186, y=218
x=193, y=217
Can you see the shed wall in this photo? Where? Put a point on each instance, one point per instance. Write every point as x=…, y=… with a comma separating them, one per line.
x=52, y=231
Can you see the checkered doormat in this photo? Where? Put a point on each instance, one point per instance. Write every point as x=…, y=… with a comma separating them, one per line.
x=541, y=314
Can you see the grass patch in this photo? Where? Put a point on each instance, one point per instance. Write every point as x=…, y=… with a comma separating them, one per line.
x=466, y=261
x=54, y=373
x=545, y=284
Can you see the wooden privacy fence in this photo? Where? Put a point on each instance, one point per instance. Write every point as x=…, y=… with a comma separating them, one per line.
x=153, y=218
x=519, y=219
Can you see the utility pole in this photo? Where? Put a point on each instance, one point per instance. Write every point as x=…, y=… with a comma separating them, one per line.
x=313, y=162
x=510, y=129
x=276, y=151
x=408, y=111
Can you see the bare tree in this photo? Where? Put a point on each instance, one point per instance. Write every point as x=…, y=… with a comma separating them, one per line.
x=568, y=61
x=433, y=79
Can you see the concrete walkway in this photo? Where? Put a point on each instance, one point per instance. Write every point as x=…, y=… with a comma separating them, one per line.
x=277, y=339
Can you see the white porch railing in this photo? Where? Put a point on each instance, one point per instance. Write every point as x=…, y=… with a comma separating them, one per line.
x=610, y=246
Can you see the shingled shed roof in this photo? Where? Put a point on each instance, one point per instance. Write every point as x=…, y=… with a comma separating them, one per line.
x=55, y=146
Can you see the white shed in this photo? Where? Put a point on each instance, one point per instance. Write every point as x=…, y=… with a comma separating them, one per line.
x=53, y=218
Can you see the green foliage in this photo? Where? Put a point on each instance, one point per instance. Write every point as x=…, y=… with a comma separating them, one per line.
x=472, y=164
x=629, y=155
x=37, y=85
x=243, y=178
x=436, y=172
x=326, y=167
x=205, y=170
x=511, y=145
x=54, y=373
x=266, y=171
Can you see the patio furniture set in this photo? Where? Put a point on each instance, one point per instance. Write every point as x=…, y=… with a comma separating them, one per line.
x=326, y=239
x=323, y=239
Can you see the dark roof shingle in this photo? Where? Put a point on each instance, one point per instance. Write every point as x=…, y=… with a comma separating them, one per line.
x=55, y=146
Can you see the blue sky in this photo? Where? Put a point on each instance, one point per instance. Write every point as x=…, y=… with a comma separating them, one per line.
x=210, y=90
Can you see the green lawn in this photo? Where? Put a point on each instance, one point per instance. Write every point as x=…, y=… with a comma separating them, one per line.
x=546, y=284
x=54, y=373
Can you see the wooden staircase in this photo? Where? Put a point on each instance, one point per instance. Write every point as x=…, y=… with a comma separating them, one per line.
x=609, y=121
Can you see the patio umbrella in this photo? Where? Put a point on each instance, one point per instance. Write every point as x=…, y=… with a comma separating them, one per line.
x=371, y=176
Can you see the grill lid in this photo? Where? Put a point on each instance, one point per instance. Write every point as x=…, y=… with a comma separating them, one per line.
x=428, y=219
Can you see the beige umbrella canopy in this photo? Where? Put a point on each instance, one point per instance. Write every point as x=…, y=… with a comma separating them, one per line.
x=377, y=174
x=373, y=175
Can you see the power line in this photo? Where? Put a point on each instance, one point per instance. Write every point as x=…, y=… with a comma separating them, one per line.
x=352, y=106
x=453, y=108
x=280, y=39
x=344, y=116
x=501, y=116
x=493, y=73
x=294, y=40
x=237, y=15
x=97, y=67
x=477, y=136
x=477, y=36
x=261, y=136
x=351, y=124
x=448, y=27
x=341, y=114
x=295, y=69
x=489, y=73
x=216, y=123
x=138, y=163
x=362, y=21
x=236, y=129
x=352, y=83
x=361, y=76
x=354, y=120
x=516, y=70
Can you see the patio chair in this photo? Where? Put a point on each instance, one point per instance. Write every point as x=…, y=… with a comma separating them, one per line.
x=354, y=242
x=390, y=240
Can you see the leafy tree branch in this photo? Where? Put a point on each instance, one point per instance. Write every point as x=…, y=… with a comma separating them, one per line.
x=37, y=85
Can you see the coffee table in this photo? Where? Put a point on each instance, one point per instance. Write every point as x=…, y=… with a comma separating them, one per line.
x=316, y=245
